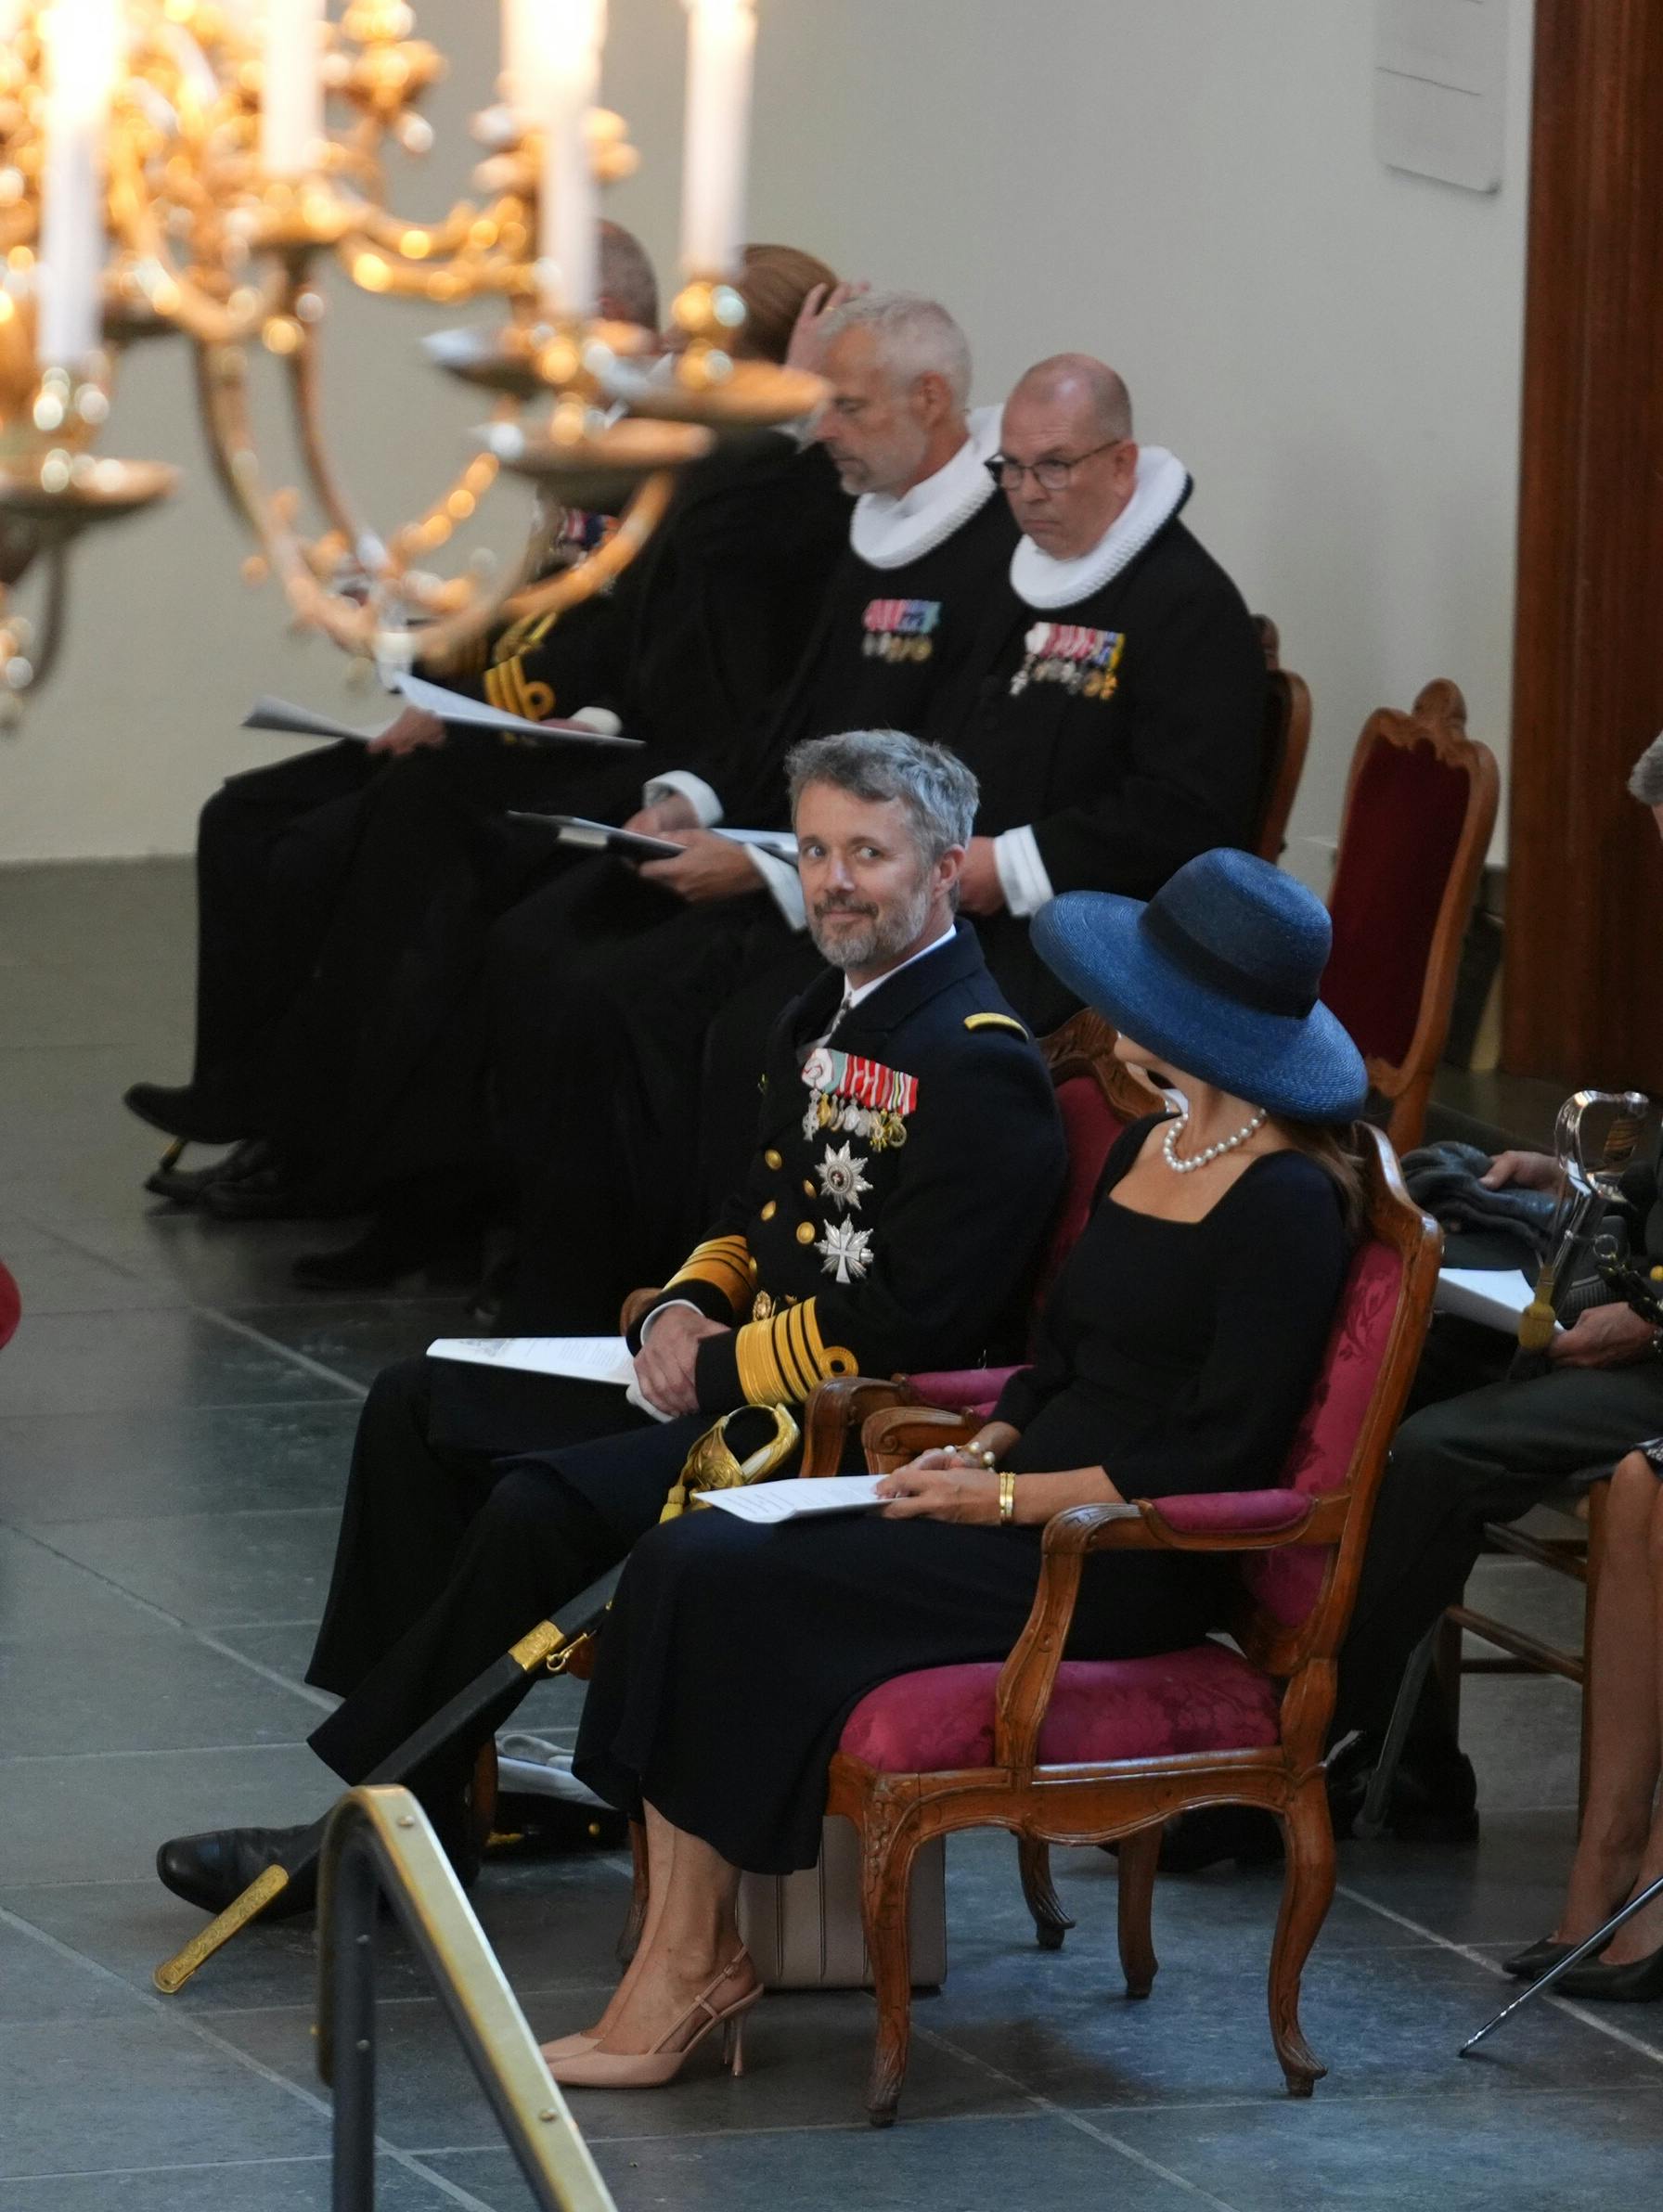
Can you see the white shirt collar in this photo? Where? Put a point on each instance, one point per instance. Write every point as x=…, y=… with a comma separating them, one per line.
x=853, y=997
x=888, y=533
x=1043, y=581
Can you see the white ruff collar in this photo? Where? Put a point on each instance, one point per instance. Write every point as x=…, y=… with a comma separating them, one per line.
x=1041, y=580
x=888, y=533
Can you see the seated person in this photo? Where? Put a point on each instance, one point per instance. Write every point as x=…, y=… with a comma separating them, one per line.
x=1174, y=1356
x=273, y=845
x=1488, y=1454
x=910, y=1153
x=335, y=936
x=1619, y=1851
x=1113, y=711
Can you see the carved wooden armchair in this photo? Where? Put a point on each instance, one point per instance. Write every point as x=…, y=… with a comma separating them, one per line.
x=1287, y=739
x=1080, y=1752
x=1420, y=806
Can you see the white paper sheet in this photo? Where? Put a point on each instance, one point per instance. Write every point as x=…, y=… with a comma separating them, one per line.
x=793, y=1501
x=1495, y=1297
x=781, y=844
x=582, y=1358
x=301, y=722
x=452, y=706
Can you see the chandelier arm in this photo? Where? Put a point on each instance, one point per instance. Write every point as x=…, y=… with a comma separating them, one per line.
x=53, y=619
x=418, y=242
x=357, y=628
x=468, y=275
x=174, y=295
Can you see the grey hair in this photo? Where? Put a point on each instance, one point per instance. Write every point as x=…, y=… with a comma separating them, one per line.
x=915, y=337
x=937, y=793
x=626, y=279
x=1646, y=783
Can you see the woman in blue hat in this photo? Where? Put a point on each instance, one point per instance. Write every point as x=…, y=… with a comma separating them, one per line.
x=1176, y=1352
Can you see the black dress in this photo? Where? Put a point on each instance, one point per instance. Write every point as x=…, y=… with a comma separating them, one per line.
x=1177, y=1355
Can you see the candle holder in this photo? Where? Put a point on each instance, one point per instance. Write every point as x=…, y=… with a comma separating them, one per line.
x=711, y=385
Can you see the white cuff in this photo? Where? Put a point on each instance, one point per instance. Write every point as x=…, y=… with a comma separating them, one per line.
x=682, y=783
x=668, y=1305
x=1022, y=875
x=601, y=720
x=784, y=884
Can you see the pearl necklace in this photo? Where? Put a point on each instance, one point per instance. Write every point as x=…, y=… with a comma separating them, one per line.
x=1175, y=1129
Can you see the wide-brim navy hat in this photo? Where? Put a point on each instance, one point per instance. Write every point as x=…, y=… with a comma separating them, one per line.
x=1219, y=974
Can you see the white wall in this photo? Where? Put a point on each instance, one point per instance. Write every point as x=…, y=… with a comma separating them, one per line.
x=1186, y=186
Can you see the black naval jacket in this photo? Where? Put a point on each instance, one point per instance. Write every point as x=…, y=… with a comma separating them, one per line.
x=702, y=632
x=903, y=1180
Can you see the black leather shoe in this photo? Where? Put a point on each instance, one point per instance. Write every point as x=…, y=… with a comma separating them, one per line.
x=182, y=1110
x=1640, y=1982
x=392, y=1247
x=269, y=1193
x=210, y=1870
x=190, y=1186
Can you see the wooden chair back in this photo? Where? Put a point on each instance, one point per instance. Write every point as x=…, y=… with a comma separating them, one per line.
x=1420, y=807
x=1287, y=739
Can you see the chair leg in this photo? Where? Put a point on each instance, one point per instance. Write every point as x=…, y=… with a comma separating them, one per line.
x=886, y=1853
x=1139, y=1854
x=1306, y=1891
x=1050, y=1923
x=635, y=1920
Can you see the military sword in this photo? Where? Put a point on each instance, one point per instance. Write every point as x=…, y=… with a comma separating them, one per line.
x=549, y=1648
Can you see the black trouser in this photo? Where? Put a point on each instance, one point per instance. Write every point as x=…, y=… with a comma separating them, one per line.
x=454, y=1542
x=1489, y=1455
x=271, y=847
x=602, y=992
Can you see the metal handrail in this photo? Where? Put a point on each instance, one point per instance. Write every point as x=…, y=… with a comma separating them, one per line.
x=379, y=1841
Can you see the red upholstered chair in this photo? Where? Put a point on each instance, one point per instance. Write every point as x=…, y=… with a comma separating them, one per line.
x=1079, y=1752
x=11, y=1306
x=1097, y=1098
x=1420, y=806
x=1287, y=739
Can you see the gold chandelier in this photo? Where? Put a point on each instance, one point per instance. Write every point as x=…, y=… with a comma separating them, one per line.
x=182, y=167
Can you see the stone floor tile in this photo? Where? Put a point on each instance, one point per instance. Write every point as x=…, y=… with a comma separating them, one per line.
x=146, y=1693
x=85, y=1363
x=142, y=1460
x=265, y=1564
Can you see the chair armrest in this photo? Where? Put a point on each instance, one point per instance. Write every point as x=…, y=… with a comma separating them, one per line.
x=898, y=1434
x=1205, y=1521
x=833, y=1409
x=964, y=1388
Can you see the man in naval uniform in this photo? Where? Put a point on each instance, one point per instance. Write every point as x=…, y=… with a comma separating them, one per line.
x=274, y=845
x=908, y=1155
x=605, y=985
x=1115, y=716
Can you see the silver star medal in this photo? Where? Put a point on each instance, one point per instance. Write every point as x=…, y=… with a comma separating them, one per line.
x=841, y=1176
x=846, y=1251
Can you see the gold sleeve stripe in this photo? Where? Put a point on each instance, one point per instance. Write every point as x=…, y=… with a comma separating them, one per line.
x=994, y=1022
x=781, y=1360
x=759, y=1375
x=725, y=1264
x=494, y=691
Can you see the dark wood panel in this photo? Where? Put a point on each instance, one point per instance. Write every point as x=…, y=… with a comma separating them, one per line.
x=1585, y=875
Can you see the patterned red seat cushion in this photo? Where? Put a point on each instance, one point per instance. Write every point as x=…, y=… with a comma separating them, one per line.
x=11, y=1305
x=1207, y=1698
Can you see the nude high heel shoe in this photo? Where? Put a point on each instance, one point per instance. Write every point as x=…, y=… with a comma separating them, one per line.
x=567, y=2046
x=598, y=2068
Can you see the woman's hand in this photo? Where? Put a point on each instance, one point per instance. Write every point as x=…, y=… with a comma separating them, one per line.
x=937, y=1485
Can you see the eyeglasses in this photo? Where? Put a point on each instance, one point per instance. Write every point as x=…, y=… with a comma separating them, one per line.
x=1051, y=476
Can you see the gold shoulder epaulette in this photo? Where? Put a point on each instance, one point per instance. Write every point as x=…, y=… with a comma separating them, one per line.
x=994, y=1022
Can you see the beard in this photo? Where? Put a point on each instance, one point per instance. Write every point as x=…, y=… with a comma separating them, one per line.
x=872, y=934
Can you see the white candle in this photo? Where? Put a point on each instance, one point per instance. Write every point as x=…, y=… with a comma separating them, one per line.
x=561, y=70
x=720, y=46
x=83, y=44
x=291, y=90
x=518, y=47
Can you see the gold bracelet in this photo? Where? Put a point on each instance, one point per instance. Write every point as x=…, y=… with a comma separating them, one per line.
x=1007, y=1498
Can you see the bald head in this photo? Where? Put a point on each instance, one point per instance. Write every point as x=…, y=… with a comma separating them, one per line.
x=1087, y=389
x=1070, y=417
